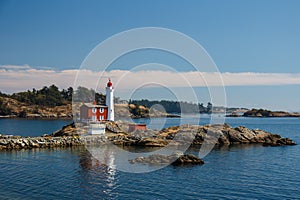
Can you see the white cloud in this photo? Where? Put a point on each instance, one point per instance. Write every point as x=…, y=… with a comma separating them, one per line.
x=19, y=78
x=14, y=67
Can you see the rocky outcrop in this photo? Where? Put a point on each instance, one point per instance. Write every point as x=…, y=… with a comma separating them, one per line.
x=23, y=110
x=177, y=135
x=234, y=114
x=263, y=113
x=71, y=135
x=8, y=142
x=67, y=130
x=225, y=135
x=268, y=113
x=196, y=135
x=174, y=159
x=13, y=142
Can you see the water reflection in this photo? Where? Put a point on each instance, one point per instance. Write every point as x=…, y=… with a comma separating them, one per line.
x=98, y=176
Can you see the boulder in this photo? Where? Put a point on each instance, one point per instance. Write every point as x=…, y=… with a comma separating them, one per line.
x=174, y=159
x=152, y=142
x=188, y=159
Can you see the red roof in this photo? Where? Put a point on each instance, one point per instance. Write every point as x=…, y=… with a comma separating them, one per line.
x=90, y=105
x=109, y=84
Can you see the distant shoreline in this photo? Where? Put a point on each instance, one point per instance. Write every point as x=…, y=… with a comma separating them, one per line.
x=261, y=113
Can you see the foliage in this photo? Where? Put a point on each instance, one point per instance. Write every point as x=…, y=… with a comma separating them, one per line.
x=255, y=112
x=4, y=110
x=67, y=94
x=86, y=95
x=23, y=114
x=47, y=96
x=209, y=107
x=139, y=111
x=3, y=94
x=51, y=96
x=175, y=106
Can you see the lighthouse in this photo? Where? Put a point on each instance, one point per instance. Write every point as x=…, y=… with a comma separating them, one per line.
x=91, y=112
x=110, y=101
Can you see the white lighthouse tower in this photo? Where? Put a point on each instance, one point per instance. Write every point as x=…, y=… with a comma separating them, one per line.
x=110, y=101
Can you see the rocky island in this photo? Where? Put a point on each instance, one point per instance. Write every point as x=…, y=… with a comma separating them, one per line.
x=217, y=135
x=264, y=113
x=176, y=135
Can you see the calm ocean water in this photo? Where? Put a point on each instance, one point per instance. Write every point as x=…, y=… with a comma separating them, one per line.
x=236, y=172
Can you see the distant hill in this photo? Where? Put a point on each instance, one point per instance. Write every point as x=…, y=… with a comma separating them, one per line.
x=13, y=108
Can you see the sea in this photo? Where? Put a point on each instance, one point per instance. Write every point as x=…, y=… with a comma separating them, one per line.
x=235, y=172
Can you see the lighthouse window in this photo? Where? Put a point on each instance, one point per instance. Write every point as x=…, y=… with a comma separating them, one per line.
x=94, y=110
x=101, y=110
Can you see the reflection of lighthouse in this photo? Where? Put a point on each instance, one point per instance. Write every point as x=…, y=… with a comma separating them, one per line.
x=110, y=101
x=99, y=163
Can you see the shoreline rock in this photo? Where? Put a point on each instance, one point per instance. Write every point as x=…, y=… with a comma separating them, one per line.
x=173, y=159
x=9, y=142
x=17, y=142
x=218, y=135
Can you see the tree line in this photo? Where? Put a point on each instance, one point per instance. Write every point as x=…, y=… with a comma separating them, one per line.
x=176, y=106
x=47, y=96
x=52, y=96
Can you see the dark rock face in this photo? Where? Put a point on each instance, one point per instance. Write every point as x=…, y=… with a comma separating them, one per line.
x=174, y=159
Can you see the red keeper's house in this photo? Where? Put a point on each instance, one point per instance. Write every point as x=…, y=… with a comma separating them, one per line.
x=91, y=113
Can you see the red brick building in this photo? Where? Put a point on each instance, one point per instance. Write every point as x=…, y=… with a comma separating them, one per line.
x=91, y=112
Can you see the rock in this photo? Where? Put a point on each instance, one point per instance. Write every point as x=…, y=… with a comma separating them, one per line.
x=33, y=144
x=177, y=135
x=234, y=114
x=4, y=142
x=224, y=134
x=275, y=141
x=188, y=159
x=174, y=159
x=152, y=142
x=223, y=140
x=269, y=113
x=67, y=130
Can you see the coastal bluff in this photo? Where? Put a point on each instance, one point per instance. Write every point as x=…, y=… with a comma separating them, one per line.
x=219, y=135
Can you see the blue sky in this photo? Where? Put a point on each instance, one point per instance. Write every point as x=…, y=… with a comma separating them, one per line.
x=240, y=36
